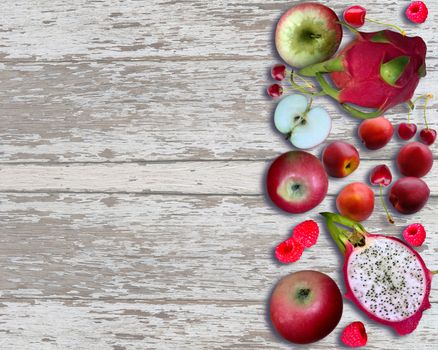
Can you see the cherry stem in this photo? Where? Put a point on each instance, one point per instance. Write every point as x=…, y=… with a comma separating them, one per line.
x=388, y=25
x=411, y=106
x=428, y=97
x=302, y=88
x=419, y=97
x=292, y=74
x=384, y=206
x=352, y=29
x=434, y=272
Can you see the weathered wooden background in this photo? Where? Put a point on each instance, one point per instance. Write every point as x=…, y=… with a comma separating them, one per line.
x=134, y=140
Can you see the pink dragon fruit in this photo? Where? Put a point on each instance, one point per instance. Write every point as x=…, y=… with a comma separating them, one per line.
x=384, y=277
x=376, y=70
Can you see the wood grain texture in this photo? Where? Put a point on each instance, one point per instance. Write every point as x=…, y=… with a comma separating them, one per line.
x=236, y=177
x=152, y=111
x=139, y=325
x=161, y=29
x=134, y=140
x=161, y=247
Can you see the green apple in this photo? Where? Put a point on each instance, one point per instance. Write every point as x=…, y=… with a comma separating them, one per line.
x=307, y=33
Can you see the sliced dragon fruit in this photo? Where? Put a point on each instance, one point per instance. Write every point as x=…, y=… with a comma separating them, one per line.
x=384, y=277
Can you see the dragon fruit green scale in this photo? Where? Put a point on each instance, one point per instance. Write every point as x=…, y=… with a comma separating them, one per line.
x=384, y=277
x=377, y=70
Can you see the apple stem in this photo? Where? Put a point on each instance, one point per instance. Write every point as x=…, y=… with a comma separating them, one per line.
x=384, y=205
x=309, y=106
x=388, y=25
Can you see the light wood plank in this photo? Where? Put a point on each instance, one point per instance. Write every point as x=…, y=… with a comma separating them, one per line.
x=185, y=260
x=143, y=111
x=100, y=30
x=117, y=325
x=159, y=247
x=218, y=177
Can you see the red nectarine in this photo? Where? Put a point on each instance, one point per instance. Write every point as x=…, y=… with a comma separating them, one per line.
x=340, y=159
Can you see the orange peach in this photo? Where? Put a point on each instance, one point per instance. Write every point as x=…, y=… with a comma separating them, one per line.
x=375, y=133
x=356, y=201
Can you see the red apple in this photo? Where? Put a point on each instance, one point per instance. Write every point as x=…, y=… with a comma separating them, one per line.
x=305, y=306
x=375, y=133
x=356, y=201
x=340, y=159
x=414, y=159
x=307, y=33
x=296, y=181
x=409, y=195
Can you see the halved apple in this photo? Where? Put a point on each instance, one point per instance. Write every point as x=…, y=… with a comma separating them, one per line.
x=305, y=127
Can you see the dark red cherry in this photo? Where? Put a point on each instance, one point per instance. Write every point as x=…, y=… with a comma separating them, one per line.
x=381, y=175
x=428, y=136
x=355, y=16
x=406, y=131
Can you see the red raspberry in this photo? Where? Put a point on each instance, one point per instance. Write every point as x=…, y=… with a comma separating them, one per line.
x=275, y=90
x=417, y=12
x=414, y=234
x=354, y=335
x=289, y=251
x=306, y=233
x=278, y=72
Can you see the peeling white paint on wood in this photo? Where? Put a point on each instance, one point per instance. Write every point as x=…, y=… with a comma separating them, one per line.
x=134, y=139
x=110, y=325
x=142, y=247
x=100, y=30
x=206, y=177
x=152, y=111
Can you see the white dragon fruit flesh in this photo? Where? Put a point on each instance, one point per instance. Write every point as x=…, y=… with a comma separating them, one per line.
x=384, y=277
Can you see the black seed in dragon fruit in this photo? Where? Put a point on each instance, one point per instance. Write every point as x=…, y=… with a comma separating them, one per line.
x=384, y=277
